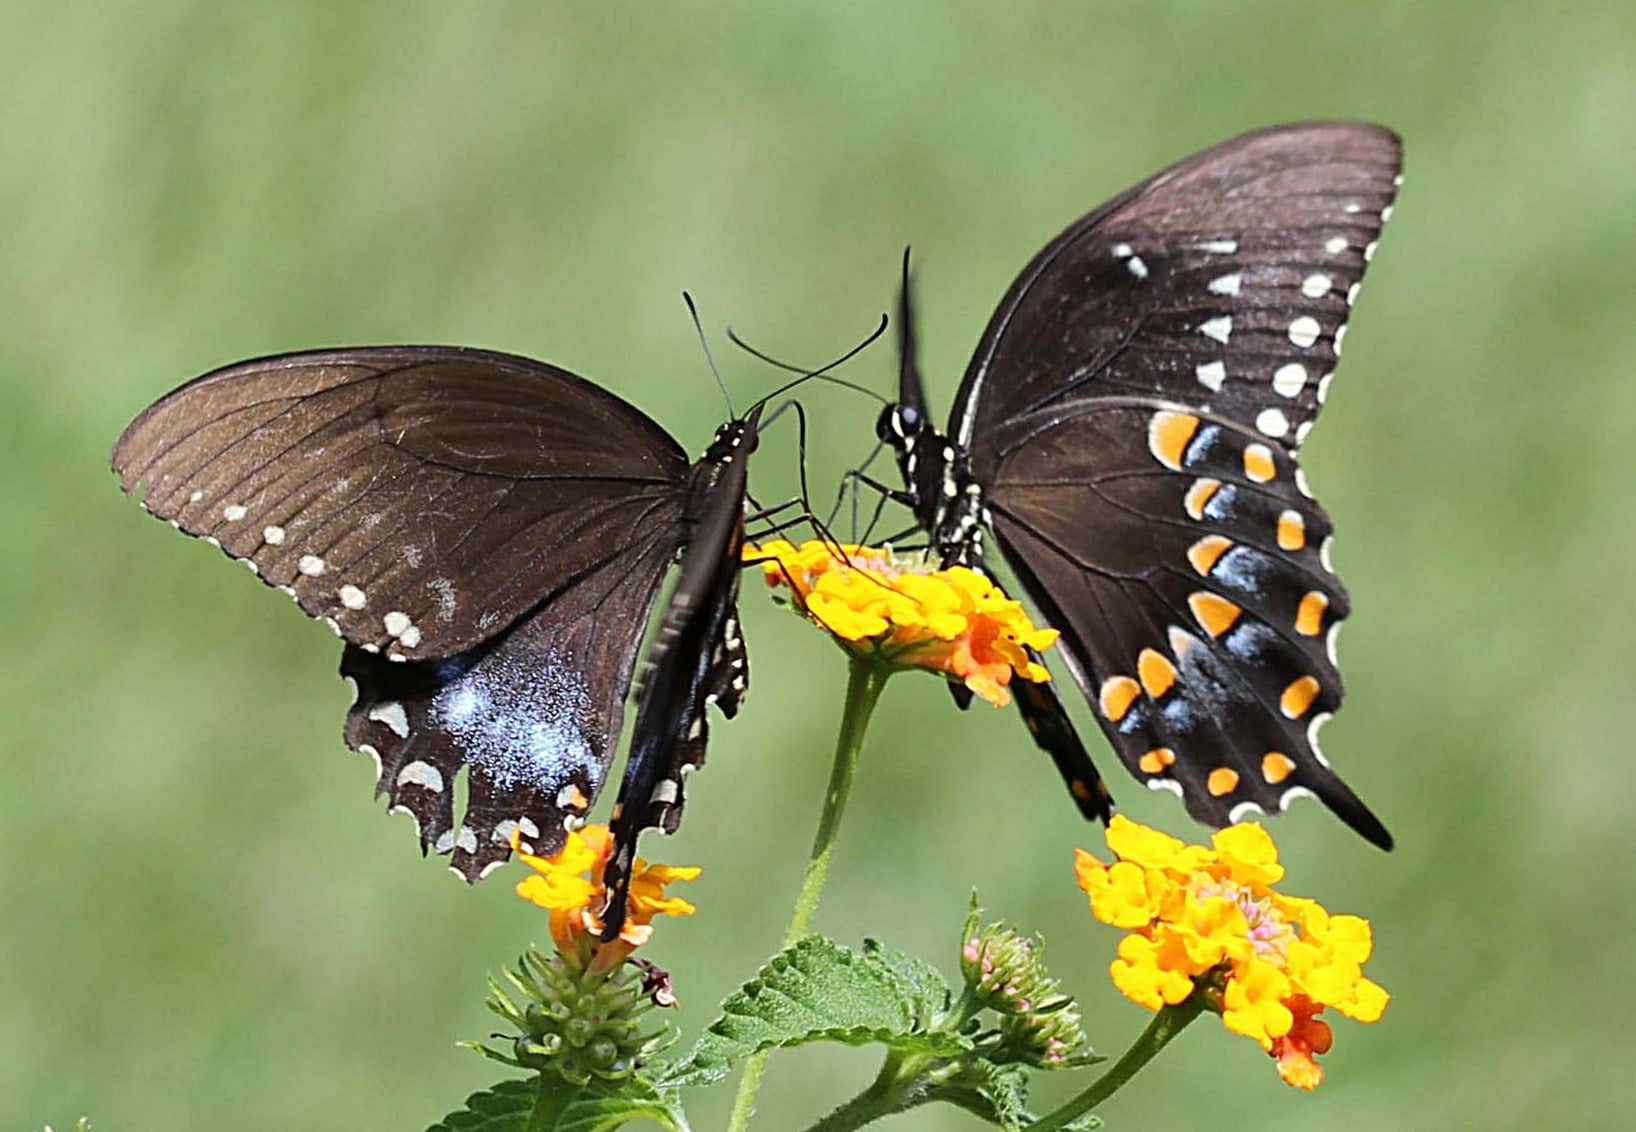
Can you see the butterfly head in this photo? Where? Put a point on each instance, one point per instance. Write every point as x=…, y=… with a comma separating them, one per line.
x=735, y=439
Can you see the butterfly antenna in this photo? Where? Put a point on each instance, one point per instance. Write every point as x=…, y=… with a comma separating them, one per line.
x=821, y=375
x=708, y=356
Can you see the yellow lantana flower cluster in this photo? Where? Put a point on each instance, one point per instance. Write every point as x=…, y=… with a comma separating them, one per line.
x=906, y=613
x=1206, y=920
x=569, y=885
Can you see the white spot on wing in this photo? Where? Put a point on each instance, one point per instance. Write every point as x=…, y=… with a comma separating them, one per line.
x=392, y=714
x=1211, y=375
x=420, y=773
x=1316, y=286
x=1291, y=794
x=396, y=622
x=1335, y=245
x=1218, y=247
x=443, y=589
x=466, y=839
x=233, y=512
x=1221, y=329
x=311, y=565
x=1289, y=379
x=1226, y=284
x=1273, y=422
x=1313, y=728
x=1243, y=810
x=273, y=535
x=1136, y=267
x=195, y=497
x=352, y=597
x=410, y=637
x=1304, y=331
x=1169, y=784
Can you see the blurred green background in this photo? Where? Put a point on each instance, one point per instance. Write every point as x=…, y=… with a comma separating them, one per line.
x=204, y=922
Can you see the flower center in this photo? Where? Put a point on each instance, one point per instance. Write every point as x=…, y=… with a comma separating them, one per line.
x=1266, y=929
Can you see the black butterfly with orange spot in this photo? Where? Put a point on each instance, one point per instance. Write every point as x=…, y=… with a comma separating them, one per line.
x=1128, y=430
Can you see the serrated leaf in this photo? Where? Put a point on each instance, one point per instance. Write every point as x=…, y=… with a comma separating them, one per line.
x=922, y=982
x=815, y=990
x=550, y=1104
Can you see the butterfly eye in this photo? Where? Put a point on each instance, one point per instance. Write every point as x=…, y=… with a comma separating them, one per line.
x=898, y=423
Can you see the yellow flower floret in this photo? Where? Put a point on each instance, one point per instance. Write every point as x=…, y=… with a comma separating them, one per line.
x=1206, y=920
x=903, y=611
x=561, y=886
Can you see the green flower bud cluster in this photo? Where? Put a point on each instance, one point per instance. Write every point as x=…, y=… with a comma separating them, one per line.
x=1005, y=972
x=575, y=1024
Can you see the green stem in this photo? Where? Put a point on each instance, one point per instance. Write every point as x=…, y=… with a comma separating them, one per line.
x=1169, y=1022
x=880, y=1099
x=551, y=1101
x=863, y=690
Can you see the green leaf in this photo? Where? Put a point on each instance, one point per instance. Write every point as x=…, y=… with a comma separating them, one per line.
x=549, y=1104
x=817, y=990
x=921, y=981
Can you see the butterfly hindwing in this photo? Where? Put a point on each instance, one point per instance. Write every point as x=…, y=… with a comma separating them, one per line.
x=1201, y=609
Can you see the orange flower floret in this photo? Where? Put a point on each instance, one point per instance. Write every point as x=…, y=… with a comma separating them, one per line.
x=1206, y=920
x=903, y=611
x=561, y=886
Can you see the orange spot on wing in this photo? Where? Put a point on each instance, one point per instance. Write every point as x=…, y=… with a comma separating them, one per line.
x=1298, y=697
x=1222, y=780
x=1292, y=531
x=1205, y=553
x=577, y=799
x=1258, y=463
x=1214, y=612
x=1168, y=436
x=1276, y=766
x=1198, y=496
x=1080, y=790
x=1158, y=674
x=1157, y=760
x=1116, y=696
x=1309, y=618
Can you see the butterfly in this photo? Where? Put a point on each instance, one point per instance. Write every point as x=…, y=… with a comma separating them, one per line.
x=1128, y=431
x=487, y=534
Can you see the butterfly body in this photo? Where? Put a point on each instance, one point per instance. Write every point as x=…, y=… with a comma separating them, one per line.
x=487, y=534
x=1128, y=429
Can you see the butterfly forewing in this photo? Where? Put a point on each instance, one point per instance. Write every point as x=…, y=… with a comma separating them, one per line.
x=421, y=499
x=1223, y=283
